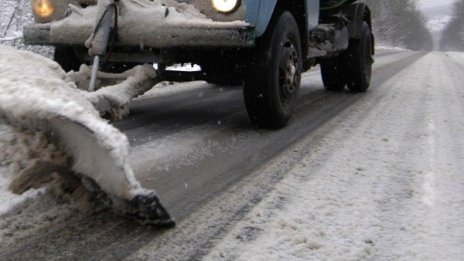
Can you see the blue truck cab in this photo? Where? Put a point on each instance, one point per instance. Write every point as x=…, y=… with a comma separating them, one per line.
x=265, y=45
x=259, y=13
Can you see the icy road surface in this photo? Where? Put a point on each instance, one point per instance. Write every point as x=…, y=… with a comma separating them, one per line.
x=374, y=176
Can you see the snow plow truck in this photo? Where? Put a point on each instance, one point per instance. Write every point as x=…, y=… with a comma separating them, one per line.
x=265, y=45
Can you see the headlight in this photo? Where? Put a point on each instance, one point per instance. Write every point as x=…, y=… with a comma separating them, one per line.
x=43, y=8
x=226, y=6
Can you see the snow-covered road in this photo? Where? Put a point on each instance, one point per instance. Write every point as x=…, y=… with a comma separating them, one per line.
x=387, y=183
x=374, y=176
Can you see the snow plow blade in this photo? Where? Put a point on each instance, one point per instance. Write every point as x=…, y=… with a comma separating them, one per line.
x=105, y=173
x=49, y=103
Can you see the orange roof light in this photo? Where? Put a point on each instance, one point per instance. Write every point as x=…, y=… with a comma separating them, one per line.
x=43, y=8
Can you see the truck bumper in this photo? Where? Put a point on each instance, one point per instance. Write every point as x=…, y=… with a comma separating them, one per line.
x=194, y=36
x=147, y=27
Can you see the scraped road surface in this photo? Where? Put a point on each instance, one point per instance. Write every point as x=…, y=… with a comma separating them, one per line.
x=373, y=176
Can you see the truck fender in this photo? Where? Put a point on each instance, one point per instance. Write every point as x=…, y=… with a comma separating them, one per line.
x=357, y=14
x=260, y=13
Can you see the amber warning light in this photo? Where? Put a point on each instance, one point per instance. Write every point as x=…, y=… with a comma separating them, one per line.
x=43, y=8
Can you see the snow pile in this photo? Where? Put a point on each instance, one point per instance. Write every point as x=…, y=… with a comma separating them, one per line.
x=168, y=12
x=18, y=149
x=388, y=47
x=13, y=36
x=161, y=12
x=115, y=90
x=154, y=13
x=32, y=88
x=10, y=200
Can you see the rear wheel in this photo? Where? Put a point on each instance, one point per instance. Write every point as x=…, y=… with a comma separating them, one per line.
x=359, y=60
x=353, y=67
x=333, y=75
x=273, y=79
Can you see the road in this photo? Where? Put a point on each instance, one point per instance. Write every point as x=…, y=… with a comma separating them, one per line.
x=194, y=144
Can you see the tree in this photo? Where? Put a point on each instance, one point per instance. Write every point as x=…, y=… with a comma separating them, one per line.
x=14, y=15
x=400, y=23
x=453, y=35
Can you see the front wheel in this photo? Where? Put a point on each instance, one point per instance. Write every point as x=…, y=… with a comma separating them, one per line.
x=273, y=79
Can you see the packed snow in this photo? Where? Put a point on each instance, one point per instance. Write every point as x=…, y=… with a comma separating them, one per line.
x=19, y=148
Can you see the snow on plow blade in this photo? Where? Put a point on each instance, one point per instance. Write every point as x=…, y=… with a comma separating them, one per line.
x=98, y=160
x=36, y=96
x=151, y=24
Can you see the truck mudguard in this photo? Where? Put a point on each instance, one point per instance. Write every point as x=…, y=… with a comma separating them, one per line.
x=259, y=13
x=357, y=13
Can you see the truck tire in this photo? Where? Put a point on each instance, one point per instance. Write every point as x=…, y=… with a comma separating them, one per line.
x=359, y=60
x=333, y=75
x=273, y=79
x=66, y=58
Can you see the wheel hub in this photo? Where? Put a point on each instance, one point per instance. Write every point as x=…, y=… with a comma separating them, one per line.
x=291, y=71
x=288, y=76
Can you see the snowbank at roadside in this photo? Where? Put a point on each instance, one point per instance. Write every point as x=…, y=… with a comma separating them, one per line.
x=388, y=47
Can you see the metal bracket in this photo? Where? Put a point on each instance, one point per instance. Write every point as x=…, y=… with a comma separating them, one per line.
x=98, y=41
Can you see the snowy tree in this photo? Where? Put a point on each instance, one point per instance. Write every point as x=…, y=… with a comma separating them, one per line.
x=453, y=34
x=14, y=15
x=400, y=23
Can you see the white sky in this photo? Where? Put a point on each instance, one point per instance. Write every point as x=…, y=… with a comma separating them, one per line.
x=432, y=3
